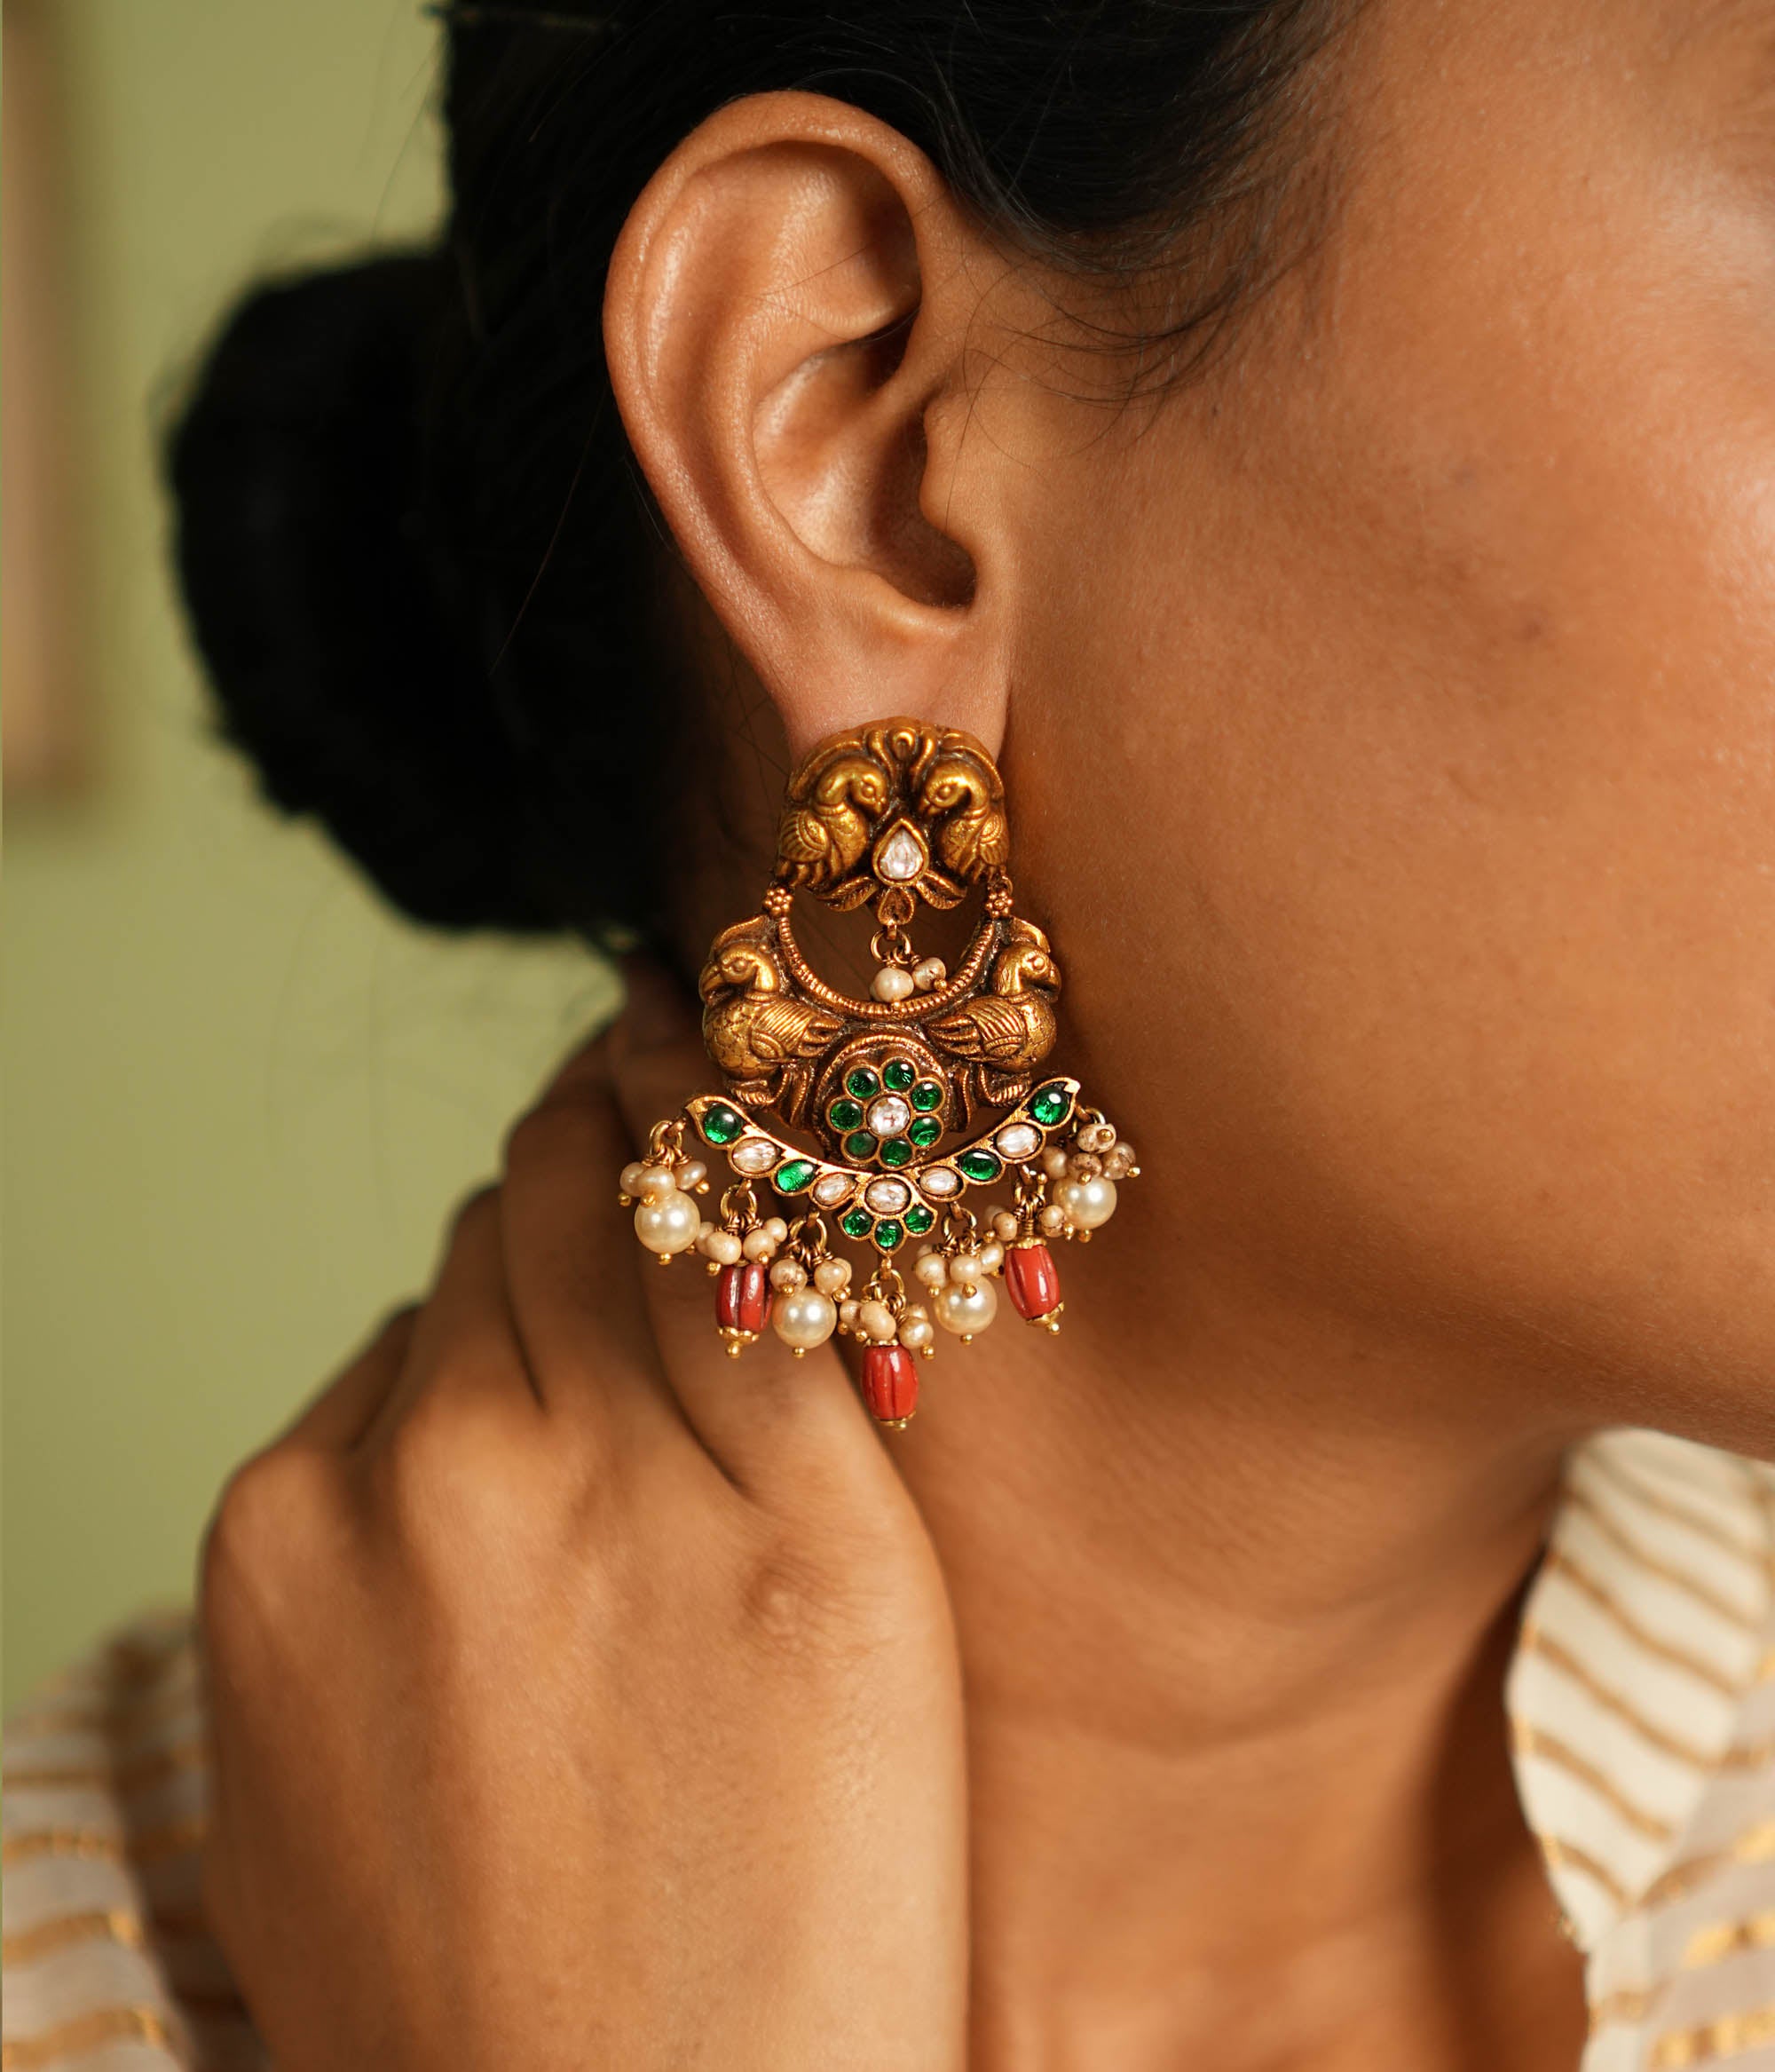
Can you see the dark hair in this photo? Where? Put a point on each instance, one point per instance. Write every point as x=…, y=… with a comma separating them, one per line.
x=415, y=548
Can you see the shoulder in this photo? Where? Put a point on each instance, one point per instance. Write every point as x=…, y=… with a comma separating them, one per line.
x=105, y=1950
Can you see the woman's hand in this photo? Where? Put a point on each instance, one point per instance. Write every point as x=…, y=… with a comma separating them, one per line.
x=583, y=1697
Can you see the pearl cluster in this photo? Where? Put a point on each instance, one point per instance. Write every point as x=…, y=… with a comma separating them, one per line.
x=1081, y=1181
x=722, y=1247
x=960, y=1284
x=897, y=982
x=773, y=1273
x=876, y=1322
x=809, y=1304
x=668, y=1219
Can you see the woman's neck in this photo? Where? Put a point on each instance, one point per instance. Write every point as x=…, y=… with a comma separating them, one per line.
x=1235, y=1589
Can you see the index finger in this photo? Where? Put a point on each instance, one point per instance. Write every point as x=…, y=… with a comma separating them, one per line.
x=768, y=1413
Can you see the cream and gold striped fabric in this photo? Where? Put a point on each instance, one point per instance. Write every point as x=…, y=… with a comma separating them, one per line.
x=1641, y=1712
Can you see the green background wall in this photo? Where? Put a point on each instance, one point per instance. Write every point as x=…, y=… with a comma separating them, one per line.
x=240, y=1097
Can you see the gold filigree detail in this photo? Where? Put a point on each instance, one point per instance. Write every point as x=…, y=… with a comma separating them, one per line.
x=889, y=1086
x=896, y=808
x=894, y=813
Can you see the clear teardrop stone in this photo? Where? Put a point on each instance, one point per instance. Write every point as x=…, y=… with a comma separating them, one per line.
x=901, y=857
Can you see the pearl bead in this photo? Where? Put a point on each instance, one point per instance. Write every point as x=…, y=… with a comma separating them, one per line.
x=965, y=1269
x=966, y=1311
x=668, y=1222
x=629, y=1183
x=917, y=1334
x=1097, y=1137
x=692, y=1174
x=876, y=1320
x=1004, y=1225
x=788, y=1273
x=892, y=982
x=991, y=1257
x=1054, y=1162
x=723, y=1247
x=1053, y=1217
x=929, y=974
x=653, y=1180
x=804, y=1317
x=758, y=1244
x=831, y=1276
x=847, y=1314
x=931, y=1268
x=1087, y=1203
x=778, y=1229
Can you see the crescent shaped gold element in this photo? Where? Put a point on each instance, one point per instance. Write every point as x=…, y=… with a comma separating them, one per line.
x=785, y=1155
x=892, y=1013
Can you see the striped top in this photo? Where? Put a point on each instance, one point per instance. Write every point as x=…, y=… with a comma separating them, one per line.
x=1641, y=1701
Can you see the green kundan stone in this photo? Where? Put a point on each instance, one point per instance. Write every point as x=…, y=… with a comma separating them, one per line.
x=792, y=1176
x=978, y=1164
x=1051, y=1105
x=859, y=1144
x=923, y=1130
x=926, y=1094
x=721, y=1124
x=854, y=1222
x=919, y=1219
x=845, y=1114
x=897, y=1075
x=889, y=1235
x=895, y=1151
x=862, y=1082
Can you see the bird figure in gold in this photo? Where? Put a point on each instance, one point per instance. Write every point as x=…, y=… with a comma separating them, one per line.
x=758, y=1031
x=1003, y=1034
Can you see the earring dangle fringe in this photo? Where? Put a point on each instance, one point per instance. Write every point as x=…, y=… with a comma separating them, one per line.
x=916, y=1097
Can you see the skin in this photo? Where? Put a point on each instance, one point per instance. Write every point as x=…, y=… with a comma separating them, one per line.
x=1388, y=726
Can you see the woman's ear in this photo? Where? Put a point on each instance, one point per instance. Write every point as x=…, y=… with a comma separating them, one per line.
x=787, y=320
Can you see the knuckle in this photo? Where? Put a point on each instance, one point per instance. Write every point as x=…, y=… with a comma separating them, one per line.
x=446, y=1474
x=474, y=1215
x=259, y=1533
x=791, y=1606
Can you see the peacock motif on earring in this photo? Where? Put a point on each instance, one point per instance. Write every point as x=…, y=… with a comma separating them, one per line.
x=915, y=1097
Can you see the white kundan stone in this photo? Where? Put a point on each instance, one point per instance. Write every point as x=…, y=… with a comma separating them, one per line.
x=1019, y=1140
x=888, y=1115
x=888, y=1197
x=902, y=857
x=753, y=1155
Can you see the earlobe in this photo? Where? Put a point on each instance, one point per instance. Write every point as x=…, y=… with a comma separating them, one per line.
x=782, y=323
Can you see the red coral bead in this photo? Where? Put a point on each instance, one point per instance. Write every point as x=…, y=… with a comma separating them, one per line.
x=890, y=1382
x=1033, y=1280
x=743, y=1297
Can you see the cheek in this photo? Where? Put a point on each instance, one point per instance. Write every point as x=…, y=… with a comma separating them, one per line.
x=1449, y=726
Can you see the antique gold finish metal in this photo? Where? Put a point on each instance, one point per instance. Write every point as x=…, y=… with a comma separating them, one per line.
x=896, y=1088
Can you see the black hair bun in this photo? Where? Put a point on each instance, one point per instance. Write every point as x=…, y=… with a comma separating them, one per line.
x=344, y=665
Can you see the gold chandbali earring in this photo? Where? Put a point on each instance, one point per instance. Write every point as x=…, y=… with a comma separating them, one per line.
x=897, y=1089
